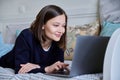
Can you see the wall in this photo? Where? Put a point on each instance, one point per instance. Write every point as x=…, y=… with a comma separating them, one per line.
x=24, y=11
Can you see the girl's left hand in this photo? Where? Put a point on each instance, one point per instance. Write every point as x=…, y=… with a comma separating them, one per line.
x=27, y=67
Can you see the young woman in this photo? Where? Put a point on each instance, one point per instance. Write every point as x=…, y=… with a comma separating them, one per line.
x=40, y=48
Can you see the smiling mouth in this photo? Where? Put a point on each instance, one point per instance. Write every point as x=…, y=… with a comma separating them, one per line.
x=58, y=35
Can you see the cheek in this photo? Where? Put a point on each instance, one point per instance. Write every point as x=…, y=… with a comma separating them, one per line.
x=63, y=30
x=49, y=31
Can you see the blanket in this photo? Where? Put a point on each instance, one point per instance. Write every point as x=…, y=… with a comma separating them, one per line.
x=8, y=74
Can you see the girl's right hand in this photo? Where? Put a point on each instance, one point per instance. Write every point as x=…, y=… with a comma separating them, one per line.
x=56, y=67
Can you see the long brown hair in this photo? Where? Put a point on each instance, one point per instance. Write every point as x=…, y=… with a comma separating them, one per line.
x=47, y=13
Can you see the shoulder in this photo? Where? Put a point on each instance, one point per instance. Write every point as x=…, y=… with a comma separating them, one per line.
x=26, y=32
x=26, y=35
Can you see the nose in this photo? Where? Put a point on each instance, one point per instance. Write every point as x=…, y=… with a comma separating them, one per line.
x=61, y=29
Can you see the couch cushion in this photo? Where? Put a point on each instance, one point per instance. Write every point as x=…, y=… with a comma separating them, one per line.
x=87, y=29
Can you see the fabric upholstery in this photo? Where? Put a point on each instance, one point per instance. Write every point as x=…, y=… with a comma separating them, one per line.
x=91, y=29
x=109, y=10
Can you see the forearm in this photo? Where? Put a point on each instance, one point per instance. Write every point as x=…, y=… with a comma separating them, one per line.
x=37, y=70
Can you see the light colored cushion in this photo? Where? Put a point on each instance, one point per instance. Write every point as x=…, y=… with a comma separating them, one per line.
x=87, y=29
x=13, y=30
x=109, y=10
x=108, y=28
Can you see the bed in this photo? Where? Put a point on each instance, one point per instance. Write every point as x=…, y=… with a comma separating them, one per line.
x=11, y=31
x=8, y=74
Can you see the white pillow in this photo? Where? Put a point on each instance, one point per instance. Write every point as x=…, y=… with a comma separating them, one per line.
x=10, y=34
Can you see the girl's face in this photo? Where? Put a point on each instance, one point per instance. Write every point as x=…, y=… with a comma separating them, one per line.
x=54, y=28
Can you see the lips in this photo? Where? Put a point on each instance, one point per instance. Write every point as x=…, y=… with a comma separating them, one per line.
x=58, y=35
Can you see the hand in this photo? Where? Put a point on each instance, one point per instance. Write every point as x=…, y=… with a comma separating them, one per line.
x=27, y=67
x=56, y=67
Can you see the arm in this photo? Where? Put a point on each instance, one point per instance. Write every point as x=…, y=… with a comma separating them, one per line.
x=23, y=52
x=58, y=61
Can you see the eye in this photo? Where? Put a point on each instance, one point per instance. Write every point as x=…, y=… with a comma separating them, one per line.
x=56, y=25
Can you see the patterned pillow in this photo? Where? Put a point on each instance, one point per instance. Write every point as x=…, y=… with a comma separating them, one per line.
x=87, y=29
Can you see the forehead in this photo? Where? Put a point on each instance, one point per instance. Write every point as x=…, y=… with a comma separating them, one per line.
x=58, y=19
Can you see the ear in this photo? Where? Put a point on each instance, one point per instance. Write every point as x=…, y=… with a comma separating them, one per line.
x=43, y=27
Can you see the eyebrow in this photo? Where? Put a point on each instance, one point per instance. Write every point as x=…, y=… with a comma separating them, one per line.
x=59, y=23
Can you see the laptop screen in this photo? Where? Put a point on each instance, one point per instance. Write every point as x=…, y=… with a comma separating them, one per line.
x=89, y=55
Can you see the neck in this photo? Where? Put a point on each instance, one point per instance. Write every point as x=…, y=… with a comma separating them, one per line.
x=46, y=44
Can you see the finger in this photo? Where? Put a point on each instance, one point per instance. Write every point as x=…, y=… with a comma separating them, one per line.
x=21, y=71
x=64, y=65
x=56, y=68
x=30, y=66
x=24, y=69
x=22, y=64
x=67, y=70
x=59, y=66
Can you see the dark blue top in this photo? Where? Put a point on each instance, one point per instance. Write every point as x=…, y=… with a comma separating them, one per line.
x=28, y=49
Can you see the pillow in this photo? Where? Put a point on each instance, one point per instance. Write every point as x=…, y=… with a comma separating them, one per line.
x=1, y=39
x=18, y=32
x=11, y=32
x=108, y=28
x=87, y=29
x=5, y=48
x=109, y=11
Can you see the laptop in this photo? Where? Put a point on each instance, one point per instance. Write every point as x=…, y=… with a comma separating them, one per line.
x=88, y=56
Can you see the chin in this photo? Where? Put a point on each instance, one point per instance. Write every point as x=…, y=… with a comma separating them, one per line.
x=56, y=40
